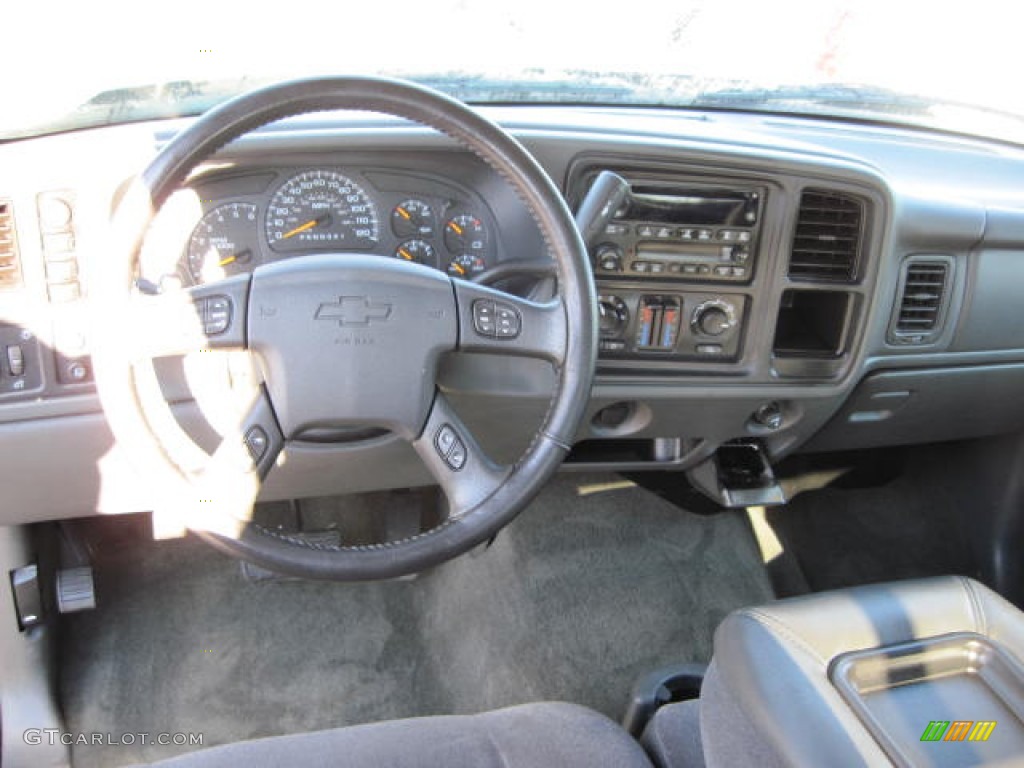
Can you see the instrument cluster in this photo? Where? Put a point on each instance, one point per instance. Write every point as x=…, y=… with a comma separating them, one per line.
x=332, y=210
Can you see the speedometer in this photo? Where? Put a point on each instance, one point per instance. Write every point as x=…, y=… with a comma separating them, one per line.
x=321, y=210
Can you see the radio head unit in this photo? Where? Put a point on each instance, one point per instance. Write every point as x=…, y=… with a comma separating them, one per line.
x=682, y=232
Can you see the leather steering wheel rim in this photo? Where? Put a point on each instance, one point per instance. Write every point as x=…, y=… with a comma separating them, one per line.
x=122, y=396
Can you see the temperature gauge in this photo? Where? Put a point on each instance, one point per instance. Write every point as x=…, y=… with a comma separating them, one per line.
x=465, y=233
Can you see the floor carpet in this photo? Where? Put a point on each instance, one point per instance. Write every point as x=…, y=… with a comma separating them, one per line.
x=584, y=592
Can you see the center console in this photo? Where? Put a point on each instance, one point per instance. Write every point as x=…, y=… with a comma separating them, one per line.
x=670, y=265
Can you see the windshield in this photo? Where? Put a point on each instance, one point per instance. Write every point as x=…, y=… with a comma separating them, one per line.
x=947, y=66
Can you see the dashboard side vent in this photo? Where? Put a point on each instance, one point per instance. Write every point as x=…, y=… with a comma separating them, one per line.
x=923, y=291
x=826, y=243
x=10, y=266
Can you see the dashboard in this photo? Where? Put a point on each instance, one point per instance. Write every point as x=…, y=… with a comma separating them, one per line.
x=786, y=283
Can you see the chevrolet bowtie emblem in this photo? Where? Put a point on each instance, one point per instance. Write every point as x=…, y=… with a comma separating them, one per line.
x=354, y=310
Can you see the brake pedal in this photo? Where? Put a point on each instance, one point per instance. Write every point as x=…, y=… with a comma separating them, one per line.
x=75, y=589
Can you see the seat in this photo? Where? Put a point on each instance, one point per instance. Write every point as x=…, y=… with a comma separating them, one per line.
x=526, y=736
x=873, y=675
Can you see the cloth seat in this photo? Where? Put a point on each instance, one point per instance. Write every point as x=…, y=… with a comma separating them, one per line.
x=526, y=736
x=772, y=695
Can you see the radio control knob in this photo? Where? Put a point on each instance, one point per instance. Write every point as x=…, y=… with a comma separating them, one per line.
x=713, y=318
x=609, y=258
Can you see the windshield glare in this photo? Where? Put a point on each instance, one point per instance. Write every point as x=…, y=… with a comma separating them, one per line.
x=939, y=65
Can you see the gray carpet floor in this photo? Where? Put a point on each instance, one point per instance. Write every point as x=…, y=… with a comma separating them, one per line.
x=574, y=601
x=911, y=526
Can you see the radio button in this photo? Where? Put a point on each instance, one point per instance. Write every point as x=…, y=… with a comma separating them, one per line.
x=656, y=267
x=686, y=234
x=645, y=231
x=727, y=235
x=723, y=271
x=664, y=233
x=704, y=234
x=616, y=229
x=703, y=269
x=739, y=271
x=690, y=269
x=675, y=269
x=743, y=237
x=639, y=266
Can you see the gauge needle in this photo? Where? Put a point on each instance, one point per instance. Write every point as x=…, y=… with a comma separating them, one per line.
x=405, y=254
x=459, y=268
x=455, y=227
x=302, y=228
x=403, y=213
x=240, y=256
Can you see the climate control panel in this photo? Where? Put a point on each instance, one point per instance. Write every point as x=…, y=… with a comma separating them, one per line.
x=644, y=324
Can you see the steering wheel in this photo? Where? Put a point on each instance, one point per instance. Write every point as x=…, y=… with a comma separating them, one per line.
x=340, y=339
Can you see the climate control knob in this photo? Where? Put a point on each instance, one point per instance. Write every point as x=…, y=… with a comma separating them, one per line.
x=614, y=316
x=609, y=258
x=713, y=318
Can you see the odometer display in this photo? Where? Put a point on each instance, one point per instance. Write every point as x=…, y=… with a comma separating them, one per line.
x=321, y=210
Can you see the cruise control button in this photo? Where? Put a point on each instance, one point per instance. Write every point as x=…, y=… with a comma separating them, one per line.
x=457, y=458
x=15, y=360
x=216, y=314
x=256, y=441
x=445, y=440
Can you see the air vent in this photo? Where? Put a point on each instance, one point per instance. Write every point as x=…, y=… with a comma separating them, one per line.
x=922, y=300
x=826, y=243
x=10, y=268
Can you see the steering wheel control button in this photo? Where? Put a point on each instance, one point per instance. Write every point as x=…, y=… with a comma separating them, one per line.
x=509, y=321
x=484, y=318
x=450, y=447
x=457, y=458
x=496, y=320
x=445, y=440
x=216, y=314
x=16, y=360
x=256, y=441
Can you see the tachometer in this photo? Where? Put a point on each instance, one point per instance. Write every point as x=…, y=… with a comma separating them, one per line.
x=321, y=210
x=223, y=242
